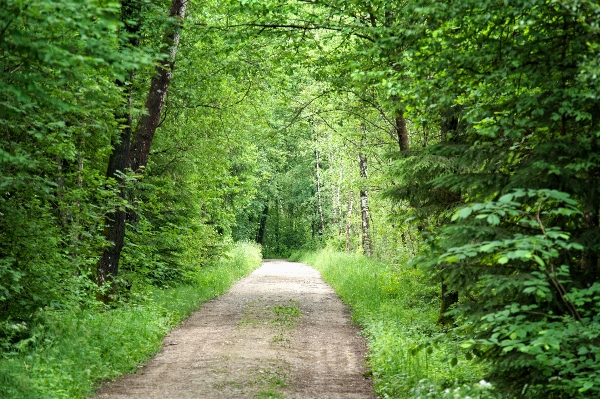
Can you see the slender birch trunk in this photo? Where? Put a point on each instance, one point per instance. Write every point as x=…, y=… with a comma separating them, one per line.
x=319, y=202
x=364, y=206
x=348, y=219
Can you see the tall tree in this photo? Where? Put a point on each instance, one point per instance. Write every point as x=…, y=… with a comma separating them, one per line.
x=135, y=154
x=114, y=230
x=364, y=206
x=522, y=145
x=159, y=86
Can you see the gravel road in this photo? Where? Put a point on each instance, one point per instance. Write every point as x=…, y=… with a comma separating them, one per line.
x=280, y=333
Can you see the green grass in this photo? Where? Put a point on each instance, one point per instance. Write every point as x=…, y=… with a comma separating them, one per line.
x=409, y=355
x=269, y=394
x=287, y=315
x=70, y=352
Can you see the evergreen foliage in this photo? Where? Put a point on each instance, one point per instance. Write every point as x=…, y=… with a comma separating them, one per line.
x=524, y=145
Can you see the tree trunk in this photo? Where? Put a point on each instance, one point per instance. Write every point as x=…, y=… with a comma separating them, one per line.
x=448, y=299
x=348, y=218
x=114, y=228
x=400, y=125
x=319, y=203
x=262, y=228
x=277, y=227
x=336, y=204
x=144, y=134
x=134, y=151
x=364, y=207
x=402, y=131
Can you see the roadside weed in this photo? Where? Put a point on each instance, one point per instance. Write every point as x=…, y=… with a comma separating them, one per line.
x=268, y=394
x=397, y=310
x=70, y=351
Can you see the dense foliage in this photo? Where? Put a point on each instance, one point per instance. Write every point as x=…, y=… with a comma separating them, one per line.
x=524, y=150
x=397, y=311
x=70, y=352
x=138, y=138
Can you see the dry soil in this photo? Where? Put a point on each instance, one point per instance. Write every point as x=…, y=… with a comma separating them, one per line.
x=279, y=333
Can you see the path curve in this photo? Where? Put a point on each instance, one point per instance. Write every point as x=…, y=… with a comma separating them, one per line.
x=253, y=343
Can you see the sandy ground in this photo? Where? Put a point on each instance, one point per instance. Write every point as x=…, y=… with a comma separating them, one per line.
x=280, y=333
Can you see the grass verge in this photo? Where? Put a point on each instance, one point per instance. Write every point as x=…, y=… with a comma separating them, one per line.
x=70, y=352
x=410, y=356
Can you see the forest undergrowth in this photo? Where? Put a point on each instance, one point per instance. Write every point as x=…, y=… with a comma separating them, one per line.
x=71, y=351
x=410, y=356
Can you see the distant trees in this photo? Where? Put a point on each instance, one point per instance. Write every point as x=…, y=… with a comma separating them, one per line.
x=478, y=119
x=493, y=106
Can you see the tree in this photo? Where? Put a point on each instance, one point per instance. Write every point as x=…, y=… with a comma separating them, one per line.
x=523, y=154
x=135, y=154
x=60, y=62
x=114, y=229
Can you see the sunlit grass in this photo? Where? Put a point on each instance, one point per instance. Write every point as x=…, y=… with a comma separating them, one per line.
x=71, y=351
x=409, y=355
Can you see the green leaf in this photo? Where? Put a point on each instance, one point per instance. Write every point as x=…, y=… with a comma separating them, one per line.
x=520, y=254
x=493, y=219
x=586, y=386
x=506, y=198
x=463, y=213
x=539, y=260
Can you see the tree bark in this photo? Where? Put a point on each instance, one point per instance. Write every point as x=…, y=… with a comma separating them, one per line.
x=336, y=204
x=133, y=151
x=144, y=134
x=448, y=299
x=402, y=131
x=319, y=203
x=114, y=227
x=348, y=218
x=400, y=126
x=262, y=228
x=364, y=207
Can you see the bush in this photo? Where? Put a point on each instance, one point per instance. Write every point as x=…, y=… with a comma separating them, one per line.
x=397, y=310
x=530, y=305
x=69, y=352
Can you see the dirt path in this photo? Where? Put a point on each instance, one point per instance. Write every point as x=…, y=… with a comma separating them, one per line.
x=279, y=333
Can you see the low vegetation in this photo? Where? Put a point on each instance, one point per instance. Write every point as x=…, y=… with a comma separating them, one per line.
x=410, y=355
x=71, y=350
x=138, y=137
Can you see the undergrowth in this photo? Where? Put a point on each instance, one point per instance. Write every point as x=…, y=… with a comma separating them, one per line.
x=409, y=355
x=69, y=352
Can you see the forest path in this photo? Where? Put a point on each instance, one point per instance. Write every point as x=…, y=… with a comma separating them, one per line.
x=281, y=332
